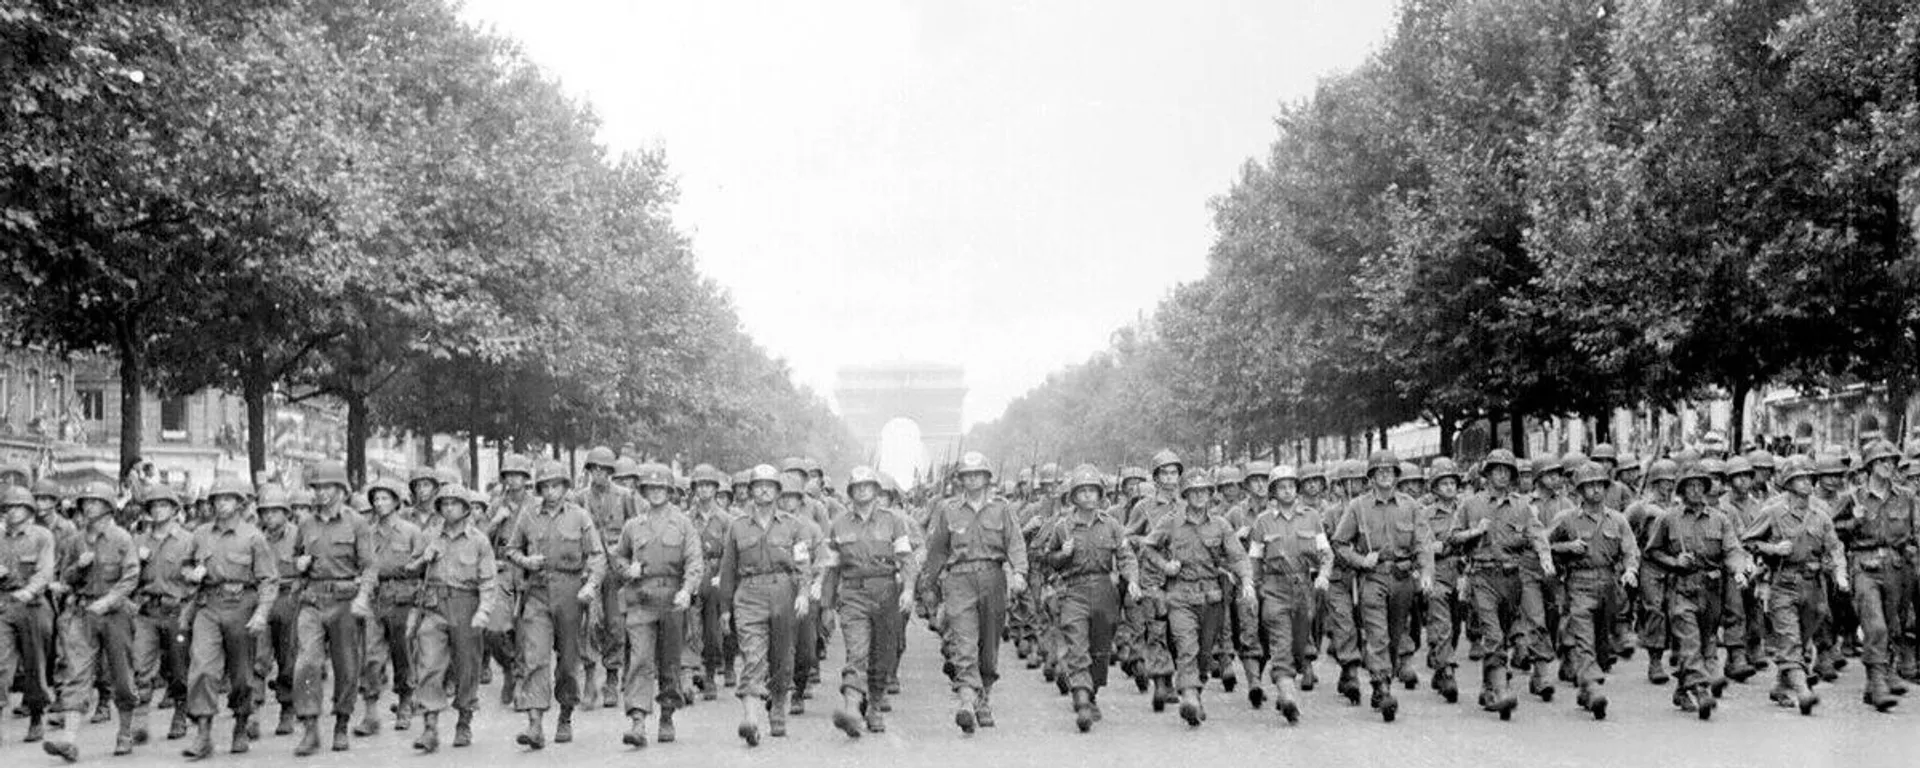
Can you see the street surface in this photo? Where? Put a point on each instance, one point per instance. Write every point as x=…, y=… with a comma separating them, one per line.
x=1036, y=729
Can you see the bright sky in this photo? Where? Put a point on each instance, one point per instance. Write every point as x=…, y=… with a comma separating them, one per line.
x=998, y=185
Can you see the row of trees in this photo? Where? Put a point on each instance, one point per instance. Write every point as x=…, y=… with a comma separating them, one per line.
x=367, y=201
x=1519, y=208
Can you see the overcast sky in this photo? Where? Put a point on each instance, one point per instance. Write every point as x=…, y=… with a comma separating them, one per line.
x=998, y=185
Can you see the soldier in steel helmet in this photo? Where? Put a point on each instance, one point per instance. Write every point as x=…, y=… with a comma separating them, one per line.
x=335, y=558
x=96, y=634
x=27, y=560
x=609, y=505
x=1699, y=549
x=1193, y=549
x=866, y=574
x=976, y=552
x=1085, y=548
x=1385, y=540
x=238, y=576
x=710, y=643
x=397, y=544
x=1596, y=549
x=658, y=552
x=1798, y=545
x=1498, y=532
x=766, y=558
x=279, y=646
x=1291, y=562
x=1878, y=524
x=1662, y=476
x=1444, y=610
x=457, y=598
x=562, y=560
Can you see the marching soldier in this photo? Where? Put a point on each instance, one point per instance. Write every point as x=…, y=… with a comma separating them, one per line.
x=159, y=642
x=1341, y=614
x=1641, y=515
x=1742, y=506
x=1698, y=548
x=1878, y=523
x=513, y=500
x=1249, y=499
x=1385, y=539
x=764, y=560
x=658, y=552
x=609, y=505
x=562, y=560
x=424, y=485
x=334, y=554
x=1313, y=487
x=238, y=576
x=1149, y=612
x=1292, y=561
x=454, y=607
x=26, y=621
x=281, y=645
x=1088, y=548
x=1798, y=545
x=1498, y=531
x=710, y=639
x=397, y=544
x=972, y=540
x=1598, y=548
x=1444, y=610
x=866, y=571
x=1194, y=550
x=96, y=637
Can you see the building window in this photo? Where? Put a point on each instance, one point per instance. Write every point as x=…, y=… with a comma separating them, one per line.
x=33, y=394
x=93, y=404
x=173, y=418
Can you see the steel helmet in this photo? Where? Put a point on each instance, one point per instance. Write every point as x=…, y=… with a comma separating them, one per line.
x=274, y=497
x=425, y=472
x=1797, y=466
x=1356, y=469
x=552, y=472
x=624, y=468
x=601, y=456
x=1501, y=457
x=454, y=492
x=744, y=478
x=1312, y=471
x=1713, y=467
x=1383, y=458
x=1606, y=452
x=16, y=496
x=478, y=499
x=888, y=484
x=763, y=473
x=96, y=489
x=1591, y=472
x=1738, y=465
x=1226, y=476
x=1134, y=473
x=229, y=485
x=388, y=484
x=1525, y=466
x=300, y=497
x=1282, y=472
x=1687, y=456
x=1880, y=449
x=1049, y=473
x=792, y=487
x=793, y=464
x=1166, y=457
x=329, y=473
x=44, y=488
x=974, y=463
x=1086, y=475
x=1196, y=480
x=708, y=473
x=1442, y=467
x=1695, y=471
x=1629, y=462
x=1259, y=469
x=1761, y=459
x=517, y=465
x=654, y=475
x=863, y=475
x=1829, y=464
x=1663, y=469
x=358, y=502
x=1411, y=471
x=164, y=493
x=1572, y=461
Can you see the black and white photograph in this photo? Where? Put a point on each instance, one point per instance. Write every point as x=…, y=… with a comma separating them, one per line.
x=991, y=383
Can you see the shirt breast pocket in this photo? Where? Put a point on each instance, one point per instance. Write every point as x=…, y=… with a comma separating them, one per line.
x=569, y=549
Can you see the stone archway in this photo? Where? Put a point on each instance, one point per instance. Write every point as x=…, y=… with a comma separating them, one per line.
x=928, y=394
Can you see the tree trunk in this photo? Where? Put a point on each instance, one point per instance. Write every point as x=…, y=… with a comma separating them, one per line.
x=1737, y=419
x=356, y=438
x=1447, y=436
x=253, y=390
x=426, y=449
x=1518, y=427
x=1313, y=451
x=1899, y=394
x=1383, y=439
x=1654, y=442
x=1348, y=447
x=132, y=394
x=473, y=460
